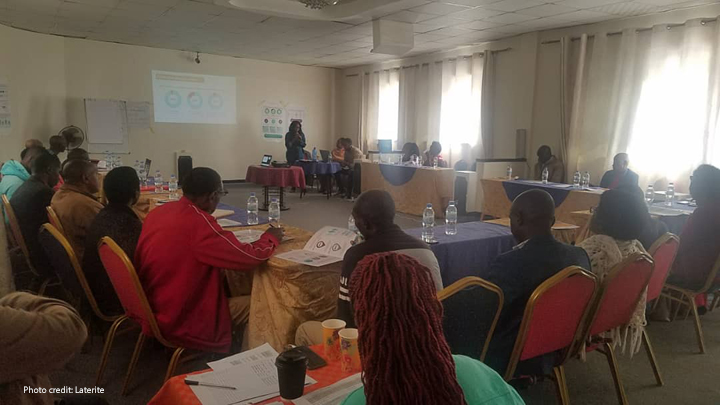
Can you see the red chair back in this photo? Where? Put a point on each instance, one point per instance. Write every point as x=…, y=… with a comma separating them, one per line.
x=663, y=252
x=621, y=290
x=554, y=315
x=128, y=288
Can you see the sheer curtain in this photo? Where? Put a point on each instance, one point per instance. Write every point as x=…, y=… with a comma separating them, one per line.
x=653, y=94
x=380, y=106
x=460, y=112
x=420, y=88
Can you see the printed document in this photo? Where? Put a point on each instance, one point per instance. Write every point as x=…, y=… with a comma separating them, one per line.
x=327, y=246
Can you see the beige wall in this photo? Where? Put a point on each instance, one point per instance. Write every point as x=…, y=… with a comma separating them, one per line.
x=527, y=80
x=34, y=67
x=53, y=75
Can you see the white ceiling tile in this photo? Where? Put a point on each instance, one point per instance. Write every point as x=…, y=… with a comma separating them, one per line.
x=408, y=16
x=510, y=18
x=480, y=25
x=450, y=32
x=35, y=6
x=423, y=28
x=586, y=15
x=513, y=5
x=162, y=3
x=588, y=3
x=439, y=8
x=547, y=10
x=475, y=14
x=196, y=7
x=443, y=21
x=227, y=24
x=547, y=22
x=512, y=29
x=429, y=37
x=83, y=11
x=100, y=3
x=474, y=3
x=628, y=9
x=141, y=10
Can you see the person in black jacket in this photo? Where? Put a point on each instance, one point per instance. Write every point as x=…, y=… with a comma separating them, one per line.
x=519, y=272
x=118, y=221
x=620, y=175
x=295, y=143
x=30, y=203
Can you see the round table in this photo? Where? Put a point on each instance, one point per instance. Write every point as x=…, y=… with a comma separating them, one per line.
x=324, y=170
x=274, y=180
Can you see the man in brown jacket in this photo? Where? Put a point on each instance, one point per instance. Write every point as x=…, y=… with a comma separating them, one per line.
x=37, y=336
x=555, y=166
x=76, y=204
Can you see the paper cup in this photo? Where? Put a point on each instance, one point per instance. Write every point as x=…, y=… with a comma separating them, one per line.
x=331, y=340
x=350, y=355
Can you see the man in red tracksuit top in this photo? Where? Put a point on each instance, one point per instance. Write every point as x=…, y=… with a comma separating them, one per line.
x=180, y=256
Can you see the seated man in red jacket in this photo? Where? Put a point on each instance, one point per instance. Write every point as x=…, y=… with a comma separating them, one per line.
x=180, y=256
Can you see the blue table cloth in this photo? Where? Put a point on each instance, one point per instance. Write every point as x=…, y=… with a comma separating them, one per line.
x=318, y=168
x=397, y=175
x=471, y=251
x=675, y=223
x=240, y=215
x=516, y=187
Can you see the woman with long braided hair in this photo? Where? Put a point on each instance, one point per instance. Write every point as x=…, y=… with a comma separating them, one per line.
x=403, y=351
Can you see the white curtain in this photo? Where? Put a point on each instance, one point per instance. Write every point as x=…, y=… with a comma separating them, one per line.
x=419, y=104
x=485, y=148
x=461, y=105
x=653, y=94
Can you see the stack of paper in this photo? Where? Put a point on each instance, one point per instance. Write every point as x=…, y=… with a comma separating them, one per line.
x=252, y=373
x=228, y=223
x=327, y=246
x=333, y=394
x=219, y=213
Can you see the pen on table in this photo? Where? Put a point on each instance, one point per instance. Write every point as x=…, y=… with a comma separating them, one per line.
x=190, y=382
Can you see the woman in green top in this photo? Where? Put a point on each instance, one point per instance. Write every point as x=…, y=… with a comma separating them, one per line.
x=404, y=355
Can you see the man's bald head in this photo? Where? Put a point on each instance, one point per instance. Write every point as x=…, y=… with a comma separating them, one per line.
x=532, y=214
x=374, y=210
x=82, y=174
x=621, y=162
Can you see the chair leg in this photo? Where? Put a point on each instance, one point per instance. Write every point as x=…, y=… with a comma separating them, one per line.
x=678, y=304
x=612, y=361
x=698, y=326
x=715, y=301
x=43, y=287
x=652, y=359
x=174, y=360
x=133, y=362
x=561, y=385
x=106, y=348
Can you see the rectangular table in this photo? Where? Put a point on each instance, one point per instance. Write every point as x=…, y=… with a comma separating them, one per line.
x=471, y=251
x=411, y=187
x=274, y=181
x=499, y=194
x=175, y=392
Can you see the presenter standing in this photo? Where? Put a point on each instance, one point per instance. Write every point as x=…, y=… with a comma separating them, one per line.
x=294, y=142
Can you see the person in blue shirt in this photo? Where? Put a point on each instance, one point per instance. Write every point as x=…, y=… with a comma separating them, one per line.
x=519, y=272
x=15, y=173
x=403, y=351
x=295, y=142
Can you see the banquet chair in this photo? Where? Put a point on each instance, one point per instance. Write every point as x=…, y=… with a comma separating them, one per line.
x=686, y=297
x=621, y=290
x=72, y=277
x=553, y=321
x=54, y=220
x=20, y=241
x=132, y=296
x=471, y=309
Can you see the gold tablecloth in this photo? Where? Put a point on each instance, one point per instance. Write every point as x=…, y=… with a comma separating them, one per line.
x=285, y=294
x=563, y=232
x=428, y=185
x=497, y=204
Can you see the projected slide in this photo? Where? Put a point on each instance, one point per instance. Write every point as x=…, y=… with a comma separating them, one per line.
x=193, y=99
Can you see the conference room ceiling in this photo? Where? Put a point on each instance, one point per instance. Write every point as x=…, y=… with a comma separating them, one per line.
x=202, y=25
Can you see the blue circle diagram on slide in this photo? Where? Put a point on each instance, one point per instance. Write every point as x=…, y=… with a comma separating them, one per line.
x=194, y=100
x=215, y=101
x=173, y=99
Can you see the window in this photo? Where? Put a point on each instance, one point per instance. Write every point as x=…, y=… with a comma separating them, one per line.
x=388, y=105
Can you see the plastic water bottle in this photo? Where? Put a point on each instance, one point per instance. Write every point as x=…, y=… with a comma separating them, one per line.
x=576, y=180
x=136, y=166
x=451, y=219
x=586, y=180
x=509, y=173
x=351, y=224
x=252, y=210
x=650, y=195
x=108, y=160
x=158, y=182
x=428, y=231
x=314, y=154
x=274, y=213
x=670, y=195
x=435, y=163
x=545, y=175
x=173, y=187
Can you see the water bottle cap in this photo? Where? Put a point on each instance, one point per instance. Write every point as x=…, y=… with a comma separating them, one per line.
x=252, y=194
x=274, y=200
x=428, y=206
x=451, y=203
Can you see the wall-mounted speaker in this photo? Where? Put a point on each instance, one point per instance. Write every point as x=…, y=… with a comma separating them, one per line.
x=392, y=37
